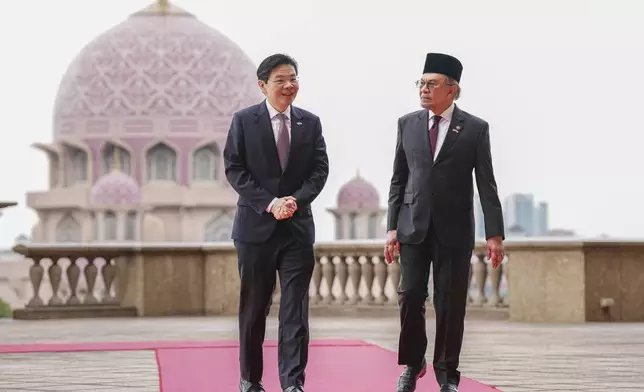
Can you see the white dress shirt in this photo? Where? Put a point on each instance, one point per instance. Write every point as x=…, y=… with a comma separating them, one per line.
x=276, y=124
x=443, y=127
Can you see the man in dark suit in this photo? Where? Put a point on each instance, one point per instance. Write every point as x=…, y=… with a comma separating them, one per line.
x=431, y=220
x=275, y=159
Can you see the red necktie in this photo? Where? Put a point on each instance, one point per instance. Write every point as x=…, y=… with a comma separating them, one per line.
x=433, y=134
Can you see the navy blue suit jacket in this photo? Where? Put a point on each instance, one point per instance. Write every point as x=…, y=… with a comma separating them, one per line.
x=253, y=170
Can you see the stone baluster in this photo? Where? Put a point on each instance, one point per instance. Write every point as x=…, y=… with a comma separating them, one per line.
x=381, y=278
x=470, y=299
x=108, y=273
x=36, y=272
x=393, y=270
x=342, y=274
x=91, y=273
x=479, y=271
x=317, y=282
x=494, y=299
x=328, y=272
x=277, y=292
x=354, y=278
x=55, y=273
x=73, y=277
x=368, y=275
x=430, y=286
x=506, y=273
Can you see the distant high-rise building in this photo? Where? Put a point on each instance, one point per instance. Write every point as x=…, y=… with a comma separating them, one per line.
x=541, y=219
x=519, y=213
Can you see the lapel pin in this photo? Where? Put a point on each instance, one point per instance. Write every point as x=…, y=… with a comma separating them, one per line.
x=299, y=123
x=457, y=129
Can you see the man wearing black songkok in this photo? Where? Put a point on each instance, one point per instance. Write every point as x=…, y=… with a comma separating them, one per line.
x=431, y=222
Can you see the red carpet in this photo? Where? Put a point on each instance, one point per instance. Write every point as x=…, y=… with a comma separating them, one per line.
x=205, y=366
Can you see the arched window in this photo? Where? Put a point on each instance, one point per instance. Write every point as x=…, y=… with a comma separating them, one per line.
x=339, y=227
x=353, y=218
x=373, y=225
x=205, y=163
x=111, y=226
x=94, y=219
x=130, y=226
x=218, y=229
x=68, y=230
x=161, y=163
x=78, y=166
x=110, y=151
x=54, y=170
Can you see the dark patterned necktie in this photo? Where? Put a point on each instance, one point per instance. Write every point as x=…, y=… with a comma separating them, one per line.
x=283, y=142
x=433, y=134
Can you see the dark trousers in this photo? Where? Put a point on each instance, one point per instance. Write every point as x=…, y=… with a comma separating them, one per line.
x=294, y=262
x=451, y=282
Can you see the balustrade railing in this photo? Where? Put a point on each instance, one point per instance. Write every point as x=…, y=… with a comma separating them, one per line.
x=555, y=280
x=347, y=275
x=354, y=273
x=72, y=277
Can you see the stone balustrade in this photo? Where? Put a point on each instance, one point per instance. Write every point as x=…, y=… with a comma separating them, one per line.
x=552, y=280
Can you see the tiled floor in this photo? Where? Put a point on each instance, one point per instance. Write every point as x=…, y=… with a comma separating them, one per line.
x=513, y=357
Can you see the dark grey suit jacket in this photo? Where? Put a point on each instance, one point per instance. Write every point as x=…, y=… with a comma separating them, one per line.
x=441, y=191
x=253, y=169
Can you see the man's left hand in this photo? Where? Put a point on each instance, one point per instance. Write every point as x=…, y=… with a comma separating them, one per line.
x=494, y=250
x=284, y=208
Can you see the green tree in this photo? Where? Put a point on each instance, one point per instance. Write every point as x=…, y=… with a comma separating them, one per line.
x=5, y=309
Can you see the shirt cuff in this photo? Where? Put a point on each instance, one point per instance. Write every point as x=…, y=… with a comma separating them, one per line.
x=270, y=206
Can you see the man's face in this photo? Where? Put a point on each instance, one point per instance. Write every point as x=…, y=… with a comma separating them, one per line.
x=435, y=92
x=282, y=86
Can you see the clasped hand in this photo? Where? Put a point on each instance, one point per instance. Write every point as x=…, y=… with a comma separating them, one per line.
x=284, y=208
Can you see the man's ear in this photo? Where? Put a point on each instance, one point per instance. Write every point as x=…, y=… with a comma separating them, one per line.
x=262, y=86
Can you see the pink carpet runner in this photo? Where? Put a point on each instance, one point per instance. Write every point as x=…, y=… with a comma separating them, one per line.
x=207, y=366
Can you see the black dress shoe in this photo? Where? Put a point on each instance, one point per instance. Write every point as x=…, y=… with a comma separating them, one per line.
x=294, y=388
x=409, y=377
x=449, y=388
x=247, y=386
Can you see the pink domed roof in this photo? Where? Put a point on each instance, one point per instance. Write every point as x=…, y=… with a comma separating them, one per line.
x=116, y=188
x=159, y=71
x=358, y=194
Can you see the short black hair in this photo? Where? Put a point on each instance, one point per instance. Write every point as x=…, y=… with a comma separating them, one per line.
x=273, y=61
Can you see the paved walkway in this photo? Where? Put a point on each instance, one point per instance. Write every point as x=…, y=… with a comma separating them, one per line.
x=513, y=357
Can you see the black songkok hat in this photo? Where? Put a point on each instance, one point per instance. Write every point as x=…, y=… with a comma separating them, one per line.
x=443, y=64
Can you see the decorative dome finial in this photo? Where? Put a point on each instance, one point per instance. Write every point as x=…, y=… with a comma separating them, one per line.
x=164, y=6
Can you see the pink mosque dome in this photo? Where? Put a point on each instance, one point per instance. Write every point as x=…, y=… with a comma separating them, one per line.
x=160, y=76
x=358, y=194
x=115, y=188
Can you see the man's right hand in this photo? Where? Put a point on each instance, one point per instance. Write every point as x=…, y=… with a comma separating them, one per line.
x=284, y=208
x=392, y=247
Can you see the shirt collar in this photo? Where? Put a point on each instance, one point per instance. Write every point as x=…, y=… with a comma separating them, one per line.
x=447, y=114
x=272, y=112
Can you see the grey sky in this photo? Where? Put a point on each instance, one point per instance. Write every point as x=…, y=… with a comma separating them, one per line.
x=560, y=83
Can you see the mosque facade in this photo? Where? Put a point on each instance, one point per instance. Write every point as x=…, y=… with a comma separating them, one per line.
x=139, y=125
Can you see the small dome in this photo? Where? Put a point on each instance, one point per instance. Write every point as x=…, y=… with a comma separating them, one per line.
x=116, y=188
x=358, y=194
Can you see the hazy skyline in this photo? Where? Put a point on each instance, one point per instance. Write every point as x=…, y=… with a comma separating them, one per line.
x=558, y=81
